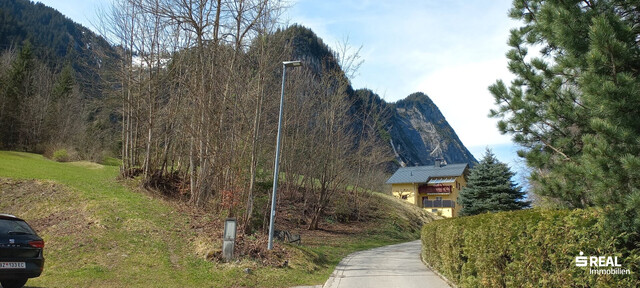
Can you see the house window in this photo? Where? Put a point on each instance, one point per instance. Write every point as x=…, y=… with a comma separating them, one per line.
x=438, y=198
x=434, y=210
x=458, y=185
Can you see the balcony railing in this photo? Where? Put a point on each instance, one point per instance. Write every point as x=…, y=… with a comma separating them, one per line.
x=438, y=203
x=439, y=189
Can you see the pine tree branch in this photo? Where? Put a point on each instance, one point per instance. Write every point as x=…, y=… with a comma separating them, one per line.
x=566, y=158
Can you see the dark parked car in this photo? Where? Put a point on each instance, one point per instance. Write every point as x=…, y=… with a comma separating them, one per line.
x=20, y=252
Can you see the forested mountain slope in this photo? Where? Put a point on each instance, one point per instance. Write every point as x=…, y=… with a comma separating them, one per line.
x=55, y=77
x=55, y=40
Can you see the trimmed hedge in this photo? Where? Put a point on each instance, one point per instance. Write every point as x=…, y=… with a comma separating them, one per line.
x=527, y=248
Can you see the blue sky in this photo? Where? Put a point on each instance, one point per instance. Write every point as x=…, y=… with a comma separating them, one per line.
x=450, y=50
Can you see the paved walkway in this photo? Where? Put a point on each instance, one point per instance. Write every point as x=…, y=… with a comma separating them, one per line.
x=390, y=266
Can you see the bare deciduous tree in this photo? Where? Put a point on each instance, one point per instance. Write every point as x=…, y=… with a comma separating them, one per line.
x=198, y=84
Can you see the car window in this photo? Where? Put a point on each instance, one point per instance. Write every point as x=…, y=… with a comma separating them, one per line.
x=15, y=226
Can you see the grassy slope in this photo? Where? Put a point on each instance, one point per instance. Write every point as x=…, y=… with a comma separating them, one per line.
x=99, y=233
x=127, y=239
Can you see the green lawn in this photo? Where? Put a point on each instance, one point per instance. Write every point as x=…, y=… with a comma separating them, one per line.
x=99, y=233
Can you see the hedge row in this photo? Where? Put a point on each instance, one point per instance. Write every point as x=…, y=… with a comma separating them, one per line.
x=528, y=248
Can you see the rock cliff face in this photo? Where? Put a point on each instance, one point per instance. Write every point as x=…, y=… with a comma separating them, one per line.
x=419, y=133
x=413, y=128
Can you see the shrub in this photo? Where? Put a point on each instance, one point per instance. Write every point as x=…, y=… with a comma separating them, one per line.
x=110, y=161
x=61, y=155
x=530, y=248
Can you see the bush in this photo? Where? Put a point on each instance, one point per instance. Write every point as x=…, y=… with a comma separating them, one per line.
x=530, y=248
x=61, y=155
x=110, y=161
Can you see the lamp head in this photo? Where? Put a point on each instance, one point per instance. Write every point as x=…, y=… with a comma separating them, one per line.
x=292, y=63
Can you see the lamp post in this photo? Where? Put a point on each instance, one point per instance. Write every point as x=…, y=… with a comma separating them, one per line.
x=285, y=64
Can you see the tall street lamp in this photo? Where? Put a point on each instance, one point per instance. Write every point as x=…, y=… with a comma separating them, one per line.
x=285, y=64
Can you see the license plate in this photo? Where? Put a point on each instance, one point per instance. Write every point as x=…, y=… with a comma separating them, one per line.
x=12, y=265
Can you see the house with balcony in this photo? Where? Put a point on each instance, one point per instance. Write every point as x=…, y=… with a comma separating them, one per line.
x=434, y=188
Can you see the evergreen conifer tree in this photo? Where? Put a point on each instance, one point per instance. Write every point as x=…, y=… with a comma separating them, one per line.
x=490, y=189
x=64, y=84
x=574, y=106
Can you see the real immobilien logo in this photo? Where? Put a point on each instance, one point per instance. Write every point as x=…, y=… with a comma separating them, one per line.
x=596, y=263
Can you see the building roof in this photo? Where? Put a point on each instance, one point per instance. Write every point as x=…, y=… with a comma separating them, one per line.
x=422, y=174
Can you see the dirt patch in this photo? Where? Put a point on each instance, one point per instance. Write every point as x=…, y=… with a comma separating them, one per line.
x=205, y=231
x=208, y=232
x=50, y=208
x=87, y=164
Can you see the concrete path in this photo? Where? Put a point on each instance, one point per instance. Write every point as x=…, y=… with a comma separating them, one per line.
x=390, y=266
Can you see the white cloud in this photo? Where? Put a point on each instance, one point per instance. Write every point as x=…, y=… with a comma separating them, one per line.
x=461, y=93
